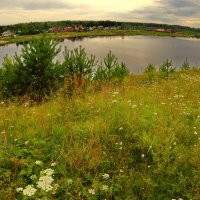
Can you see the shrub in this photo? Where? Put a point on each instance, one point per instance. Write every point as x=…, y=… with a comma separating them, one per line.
x=7, y=78
x=78, y=68
x=185, y=65
x=150, y=72
x=34, y=72
x=110, y=69
x=166, y=69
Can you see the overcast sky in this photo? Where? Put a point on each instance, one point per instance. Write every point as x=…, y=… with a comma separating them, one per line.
x=183, y=12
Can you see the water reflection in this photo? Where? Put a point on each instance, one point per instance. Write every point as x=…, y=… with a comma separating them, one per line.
x=136, y=51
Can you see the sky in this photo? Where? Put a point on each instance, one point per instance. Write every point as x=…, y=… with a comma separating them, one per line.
x=182, y=12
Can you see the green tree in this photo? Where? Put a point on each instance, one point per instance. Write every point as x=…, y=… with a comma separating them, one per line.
x=34, y=72
x=185, y=65
x=78, y=68
x=166, y=69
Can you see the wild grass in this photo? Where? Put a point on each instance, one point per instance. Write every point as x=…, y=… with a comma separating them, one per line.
x=133, y=141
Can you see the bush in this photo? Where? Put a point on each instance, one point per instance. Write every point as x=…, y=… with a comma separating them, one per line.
x=7, y=78
x=185, y=65
x=110, y=69
x=34, y=72
x=166, y=69
x=78, y=68
x=150, y=72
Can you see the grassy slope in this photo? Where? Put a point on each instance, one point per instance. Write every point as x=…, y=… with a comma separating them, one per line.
x=159, y=157
x=96, y=33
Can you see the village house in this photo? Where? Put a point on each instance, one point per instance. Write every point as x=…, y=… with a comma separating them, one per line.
x=55, y=29
x=7, y=34
x=78, y=28
x=171, y=30
x=166, y=30
x=69, y=29
x=160, y=30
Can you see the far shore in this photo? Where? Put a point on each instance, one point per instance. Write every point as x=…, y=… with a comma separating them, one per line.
x=64, y=35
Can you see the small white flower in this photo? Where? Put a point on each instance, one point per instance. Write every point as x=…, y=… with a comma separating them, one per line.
x=121, y=170
x=15, y=140
x=120, y=148
x=20, y=189
x=44, y=183
x=26, y=142
x=38, y=162
x=91, y=191
x=33, y=177
x=149, y=166
x=115, y=93
x=2, y=103
x=53, y=164
x=114, y=101
x=195, y=133
x=105, y=188
x=48, y=172
x=3, y=132
x=180, y=199
x=121, y=128
x=143, y=155
x=29, y=190
x=69, y=181
x=106, y=176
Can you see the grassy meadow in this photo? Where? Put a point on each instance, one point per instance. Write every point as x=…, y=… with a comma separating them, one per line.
x=132, y=141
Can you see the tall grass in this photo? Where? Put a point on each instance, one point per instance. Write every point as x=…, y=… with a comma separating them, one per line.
x=133, y=141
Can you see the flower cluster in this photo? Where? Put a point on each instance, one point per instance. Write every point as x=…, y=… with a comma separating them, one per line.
x=28, y=191
x=44, y=183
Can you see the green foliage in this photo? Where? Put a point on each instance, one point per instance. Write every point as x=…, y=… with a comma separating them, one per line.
x=150, y=72
x=127, y=142
x=166, y=69
x=185, y=65
x=34, y=72
x=110, y=69
x=78, y=68
x=8, y=78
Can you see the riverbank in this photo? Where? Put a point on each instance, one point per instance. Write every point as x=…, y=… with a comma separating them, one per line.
x=133, y=141
x=20, y=39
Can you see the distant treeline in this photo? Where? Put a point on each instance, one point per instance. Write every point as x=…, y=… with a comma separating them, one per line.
x=40, y=27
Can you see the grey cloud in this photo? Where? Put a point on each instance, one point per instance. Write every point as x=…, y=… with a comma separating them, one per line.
x=35, y=5
x=167, y=11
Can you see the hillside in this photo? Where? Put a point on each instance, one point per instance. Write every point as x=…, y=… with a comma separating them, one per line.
x=133, y=141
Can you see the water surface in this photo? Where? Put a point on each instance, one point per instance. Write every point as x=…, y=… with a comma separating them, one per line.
x=136, y=51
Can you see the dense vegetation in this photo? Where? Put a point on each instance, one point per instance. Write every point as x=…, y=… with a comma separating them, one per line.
x=134, y=141
x=40, y=27
x=104, y=134
x=35, y=73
